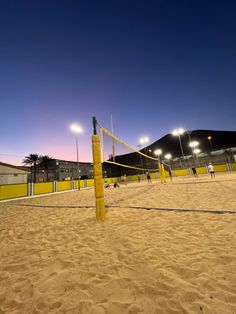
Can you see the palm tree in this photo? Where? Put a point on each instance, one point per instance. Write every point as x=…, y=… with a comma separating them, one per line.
x=45, y=161
x=32, y=160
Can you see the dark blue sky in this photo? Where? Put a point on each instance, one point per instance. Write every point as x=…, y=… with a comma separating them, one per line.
x=153, y=65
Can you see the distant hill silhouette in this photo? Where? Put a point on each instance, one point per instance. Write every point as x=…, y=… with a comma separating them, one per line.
x=170, y=144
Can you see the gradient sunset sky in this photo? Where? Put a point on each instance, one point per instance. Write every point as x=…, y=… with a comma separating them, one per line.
x=153, y=65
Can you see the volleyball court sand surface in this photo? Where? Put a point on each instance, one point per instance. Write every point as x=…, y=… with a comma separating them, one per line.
x=55, y=257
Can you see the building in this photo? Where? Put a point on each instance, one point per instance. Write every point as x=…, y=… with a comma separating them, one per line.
x=10, y=174
x=60, y=170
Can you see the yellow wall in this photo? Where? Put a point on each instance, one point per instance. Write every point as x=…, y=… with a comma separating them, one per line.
x=201, y=170
x=42, y=188
x=20, y=190
x=180, y=172
x=233, y=166
x=90, y=182
x=111, y=180
x=152, y=175
x=81, y=183
x=220, y=168
x=12, y=191
x=64, y=185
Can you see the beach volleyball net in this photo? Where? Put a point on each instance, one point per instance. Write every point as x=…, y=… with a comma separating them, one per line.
x=120, y=157
x=113, y=157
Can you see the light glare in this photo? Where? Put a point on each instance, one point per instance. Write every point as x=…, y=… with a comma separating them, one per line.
x=168, y=156
x=178, y=131
x=76, y=128
x=158, y=152
x=196, y=151
x=194, y=144
x=143, y=140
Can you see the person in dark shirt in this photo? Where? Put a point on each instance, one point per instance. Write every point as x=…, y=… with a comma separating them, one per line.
x=116, y=185
x=149, y=177
x=106, y=185
x=194, y=172
x=139, y=178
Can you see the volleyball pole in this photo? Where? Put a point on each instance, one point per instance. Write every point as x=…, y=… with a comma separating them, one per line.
x=97, y=172
x=161, y=172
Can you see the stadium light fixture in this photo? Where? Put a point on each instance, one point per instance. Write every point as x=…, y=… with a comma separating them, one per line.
x=194, y=144
x=158, y=152
x=168, y=156
x=76, y=129
x=178, y=132
x=196, y=151
x=144, y=140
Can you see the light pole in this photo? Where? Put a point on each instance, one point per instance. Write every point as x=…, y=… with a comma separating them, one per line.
x=209, y=139
x=158, y=153
x=144, y=140
x=76, y=129
x=168, y=157
x=141, y=159
x=211, y=148
x=194, y=145
x=178, y=132
x=196, y=151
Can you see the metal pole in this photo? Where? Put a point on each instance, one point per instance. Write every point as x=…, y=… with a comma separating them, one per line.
x=113, y=142
x=182, y=150
x=209, y=139
x=141, y=159
x=94, y=126
x=146, y=154
x=190, y=141
x=210, y=144
x=77, y=153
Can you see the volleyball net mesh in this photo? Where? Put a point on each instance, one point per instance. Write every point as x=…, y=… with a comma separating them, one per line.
x=110, y=150
x=120, y=155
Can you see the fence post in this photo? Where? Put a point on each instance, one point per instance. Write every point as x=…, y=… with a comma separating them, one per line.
x=55, y=186
x=30, y=189
x=228, y=165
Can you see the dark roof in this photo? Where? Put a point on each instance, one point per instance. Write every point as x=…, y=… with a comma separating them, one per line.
x=15, y=167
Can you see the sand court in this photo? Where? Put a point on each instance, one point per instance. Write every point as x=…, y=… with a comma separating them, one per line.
x=55, y=257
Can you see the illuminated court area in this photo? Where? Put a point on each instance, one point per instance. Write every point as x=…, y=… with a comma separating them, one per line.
x=179, y=256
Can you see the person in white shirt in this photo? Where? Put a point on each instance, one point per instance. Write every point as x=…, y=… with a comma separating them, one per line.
x=124, y=179
x=211, y=170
